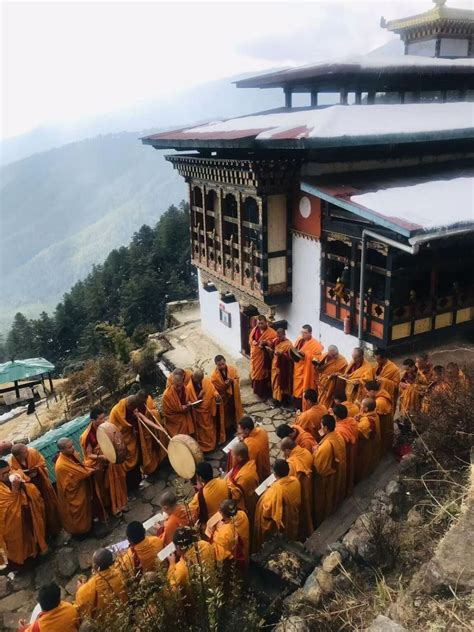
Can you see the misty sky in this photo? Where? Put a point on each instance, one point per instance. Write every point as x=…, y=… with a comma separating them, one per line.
x=65, y=60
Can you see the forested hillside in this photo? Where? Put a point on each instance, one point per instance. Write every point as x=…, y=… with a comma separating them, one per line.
x=118, y=303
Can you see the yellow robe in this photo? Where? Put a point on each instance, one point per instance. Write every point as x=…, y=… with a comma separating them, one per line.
x=304, y=439
x=369, y=446
x=230, y=395
x=301, y=467
x=180, y=518
x=104, y=590
x=231, y=540
x=348, y=430
x=357, y=377
x=208, y=416
x=304, y=375
x=259, y=451
x=310, y=420
x=389, y=379
x=64, y=618
x=282, y=375
x=192, y=564
x=177, y=420
x=242, y=482
x=330, y=476
x=74, y=490
x=411, y=394
x=260, y=364
x=207, y=501
x=22, y=522
x=383, y=408
x=278, y=511
x=142, y=557
x=326, y=375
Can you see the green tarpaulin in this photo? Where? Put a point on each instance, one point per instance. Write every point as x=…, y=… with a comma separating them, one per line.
x=22, y=369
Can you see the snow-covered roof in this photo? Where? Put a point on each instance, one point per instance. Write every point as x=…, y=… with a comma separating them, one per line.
x=341, y=123
x=440, y=202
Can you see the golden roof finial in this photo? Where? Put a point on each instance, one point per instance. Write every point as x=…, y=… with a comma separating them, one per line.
x=439, y=3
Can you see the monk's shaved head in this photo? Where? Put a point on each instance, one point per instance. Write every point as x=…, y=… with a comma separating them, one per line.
x=287, y=445
x=198, y=375
x=357, y=353
x=18, y=449
x=65, y=445
x=168, y=500
x=102, y=559
x=228, y=508
x=241, y=452
x=368, y=404
x=333, y=350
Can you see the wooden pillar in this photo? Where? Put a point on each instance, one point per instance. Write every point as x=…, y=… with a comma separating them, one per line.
x=314, y=98
x=203, y=193
x=370, y=98
x=444, y=96
x=241, y=245
x=288, y=97
x=402, y=97
x=343, y=96
x=221, y=228
x=358, y=97
x=17, y=389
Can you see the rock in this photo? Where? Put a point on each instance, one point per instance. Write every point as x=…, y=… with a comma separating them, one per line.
x=267, y=421
x=67, y=562
x=408, y=462
x=16, y=600
x=358, y=540
x=140, y=512
x=10, y=619
x=5, y=586
x=313, y=596
x=332, y=562
x=292, y=624
x=253, y=408
x=384, y=624
x=414, y=517
x=23, y=581
x=325, y=581
x=148, y=493
x=340, y=548
x=70, y=587
x=85, y=561
x=44, y=574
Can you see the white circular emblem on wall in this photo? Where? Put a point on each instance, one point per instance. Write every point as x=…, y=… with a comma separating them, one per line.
x=305, y=207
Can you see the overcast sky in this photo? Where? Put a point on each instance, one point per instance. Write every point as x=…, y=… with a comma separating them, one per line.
x=66, y=60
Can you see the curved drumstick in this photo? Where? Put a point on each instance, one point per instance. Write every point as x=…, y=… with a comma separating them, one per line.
x=145, y=425
x=157, y=422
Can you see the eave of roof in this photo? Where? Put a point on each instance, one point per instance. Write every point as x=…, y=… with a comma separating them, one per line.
x=451, y=14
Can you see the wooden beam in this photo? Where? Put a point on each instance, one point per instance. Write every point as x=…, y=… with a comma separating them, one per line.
x=288, y=98
x=314, y=98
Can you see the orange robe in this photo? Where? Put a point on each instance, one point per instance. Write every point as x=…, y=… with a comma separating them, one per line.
x=104, y=590
x=74, y=493
x=230, y=395
x=260, y=361
x=357, y=376
x=142, y=449
x=35, y=461
x=427, y=372
x=304, y=439
x=259, y=451
x=63, y=618
x=142, y=557
x=231, y=540
x=383, y=408
x=192, y=562
x=411, y=394
x=329, y=484
x=242, y=481
x=389, y=379
x=369, y=445
x=208, y=416
x=310, y=420
x=304, y=375
x=108, y=479
x=348, y=430
x=326, y=375
x=282, y=370
x=22, y=522
x=301, y=467
x=177, y=420
x=207, y=501
x=180, y=518
x=278, y=511
x=352, y=409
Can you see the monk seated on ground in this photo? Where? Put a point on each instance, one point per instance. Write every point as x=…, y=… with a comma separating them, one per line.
x=212, y=491
x=231, y=536
x=55, y=615
x=302, y=438
x=141, y=555
x=105, y=590
x=196, y=558
x=177, y=516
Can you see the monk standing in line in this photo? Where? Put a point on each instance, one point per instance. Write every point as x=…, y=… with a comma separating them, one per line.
x=387, y=374
x=412, y=387
x=424, y=366
x=208, y=416
x=211, y=492
x=256, y=439
x=178, y=516
x=301, y=467
x=383, y=408
x=226, y=381
x=141, y=555
x=302, y=438
x=105, y=590
x=327, y=369
x=304, y=376
x=196, y=557
x=310, y=420
x=278, y=509
x=282, y=369
x=175, y=406
x=231, y=536
x=74, y=489
x=33, y=465
x=438, y=385
x=55, y=614
x=260, y=337
x=186, y=373
x=109, y=479
x=369, y=444
x=356, y=374
x=242, y=480
x=455, y=377
x=347, y=428
x=22, y=520
x=329, y=483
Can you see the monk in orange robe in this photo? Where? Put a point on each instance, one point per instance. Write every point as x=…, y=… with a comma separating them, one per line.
x=242, y=480
x=437, y=385
x=282, y=368
x=226, y=381
x=22, y=520
x=387, y=374
x=455, y=377
x=356, y=374
x=55, y=614
x=412, y=388
x=178, y=516
x=75, y=492
x=310, y=419
x=212, y=491
x=327, y=369
x=256, y=439
x=141, y=555
x=347, y=427
x=175, y=406
x=231, y=536
x=195, y=556
x=260, y=337
x=301, y=437
x=105, y=590
x=208, y=416
x=130, y=415
x=304, y=375
x=369, y=444
x=383, y=408
x=186, y=373
x=329, y=483
x=424, y=366
x=352, y=408
x=301, y=467
x=278, y=509
x=33, y=465
x=109, y=478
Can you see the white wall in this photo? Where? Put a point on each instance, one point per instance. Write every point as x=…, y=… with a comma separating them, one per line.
x=333, y=336
x=228, y=337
